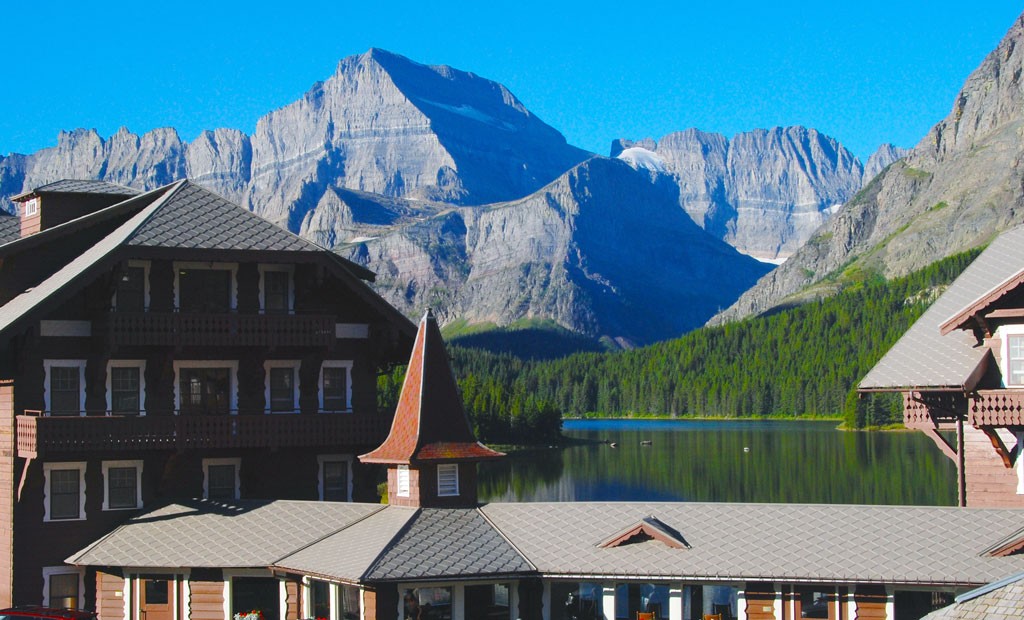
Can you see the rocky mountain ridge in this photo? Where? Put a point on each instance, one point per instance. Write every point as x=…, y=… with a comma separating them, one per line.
x=957, y=189
x=764, y=191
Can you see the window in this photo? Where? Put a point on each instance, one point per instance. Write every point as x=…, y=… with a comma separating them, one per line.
x=334, y=478
x=573, y=600
x=282, y=391
x=320, y=598
x=125, y=386
x=204, y=290
x=335, y=391
x=260, y=593
x=1015, y=359
x=64, y=389
x=402, y=483
x=31, y=207
x=64, y=491
x=131, y=289
x=276, y=294
x=205, y=391
x=122, y=485
x=487, y=602
x=62, y=587
x=220, y=478
x=447, y=480
x=427, y=604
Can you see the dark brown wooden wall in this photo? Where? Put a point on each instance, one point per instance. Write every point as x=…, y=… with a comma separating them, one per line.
x=869, y=602
x=8, y=487
x=109, y=596
x=760, y=601
x=206, y=600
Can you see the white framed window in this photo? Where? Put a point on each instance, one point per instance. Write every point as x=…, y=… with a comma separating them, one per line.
x=63, y=587
x=205, y=287
x=277, y=289
x=126, y=387
x=64, y=491
x=221, y=478
x=1015, y=359
x=206, y=386
x=122, y=485
x=281, y=386
x=448, y=480
x=335, y=477
x=248, y=589
x=402, y=480
x=64, y=387
x=31, y=207
x=335, y=385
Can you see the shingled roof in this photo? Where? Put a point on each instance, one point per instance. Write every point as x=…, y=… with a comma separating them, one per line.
x=924, y=358
x=205, y=533
x=430, y=422
x=1001, y=600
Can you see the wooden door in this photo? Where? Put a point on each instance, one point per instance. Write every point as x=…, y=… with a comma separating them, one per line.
x=156, y=599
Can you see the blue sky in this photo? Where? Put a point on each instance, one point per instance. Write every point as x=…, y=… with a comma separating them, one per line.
x=864, y=72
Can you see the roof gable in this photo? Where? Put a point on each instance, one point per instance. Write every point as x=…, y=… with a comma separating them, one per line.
x=430, y=422
x=78, y=186
x=985, y=306
x=647, y=528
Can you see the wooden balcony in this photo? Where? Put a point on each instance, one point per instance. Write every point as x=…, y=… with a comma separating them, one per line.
x=230, y=329
x=997, y=408
x=43, y=435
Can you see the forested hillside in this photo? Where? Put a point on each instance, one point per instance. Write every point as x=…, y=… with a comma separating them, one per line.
x=799, y=362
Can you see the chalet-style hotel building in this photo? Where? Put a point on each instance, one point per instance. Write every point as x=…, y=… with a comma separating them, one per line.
x=191, y=433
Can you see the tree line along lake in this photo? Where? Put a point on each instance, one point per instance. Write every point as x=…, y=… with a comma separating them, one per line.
x=725, y=461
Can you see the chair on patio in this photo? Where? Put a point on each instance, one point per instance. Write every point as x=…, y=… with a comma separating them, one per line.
x=646, y=615
x=712, y=616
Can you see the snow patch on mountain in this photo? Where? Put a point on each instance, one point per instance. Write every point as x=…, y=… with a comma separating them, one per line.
x=641, y=158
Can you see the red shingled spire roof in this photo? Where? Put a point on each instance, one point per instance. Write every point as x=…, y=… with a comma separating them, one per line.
x=430, y=423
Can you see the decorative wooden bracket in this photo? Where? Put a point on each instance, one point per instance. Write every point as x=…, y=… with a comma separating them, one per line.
x=941, y=442
x=1009, y=457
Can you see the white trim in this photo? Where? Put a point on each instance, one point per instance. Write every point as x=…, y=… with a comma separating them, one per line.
x=449, y=468
x=332, y=458
x=31, y=207
x=290, y=270
x=231, y=365
x=141, y=365
x=675, y=601
x=282, y=600
x=236, y=461
x=608, y=600
x=126, y=595
x=402, y=481
x=890, y=603
x=49, y=571
x=47, y=468
x=232, y=267
x=294, y=365
x=1003, y=333
x=106, y=465
x=65, y=329
x=50, y=363
x=347, y=365
x=227, y=575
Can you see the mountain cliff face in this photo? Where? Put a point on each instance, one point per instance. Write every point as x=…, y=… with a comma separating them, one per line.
x=381, y=124
x=765, y=191
x=957, y=189
x=571, y=252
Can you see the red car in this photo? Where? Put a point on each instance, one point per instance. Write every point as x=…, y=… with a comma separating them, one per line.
x=34, y=612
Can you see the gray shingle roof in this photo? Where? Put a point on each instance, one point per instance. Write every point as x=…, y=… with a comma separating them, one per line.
x=923, y=358
x=1000, y=601
x=448, y=542
x=348, y=554
x=891, y=544
x=197, y=218
x=10, y=228
x=200, y=533
x=87, y=186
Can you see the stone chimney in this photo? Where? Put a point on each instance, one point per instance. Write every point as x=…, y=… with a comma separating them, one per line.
x=431, y=451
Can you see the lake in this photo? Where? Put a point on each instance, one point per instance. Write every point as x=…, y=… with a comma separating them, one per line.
x=726, y=461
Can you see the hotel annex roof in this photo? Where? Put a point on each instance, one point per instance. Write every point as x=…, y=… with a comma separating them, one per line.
x=924, y=545
x=925, y=359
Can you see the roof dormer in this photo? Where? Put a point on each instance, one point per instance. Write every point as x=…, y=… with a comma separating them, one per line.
x=62, y=201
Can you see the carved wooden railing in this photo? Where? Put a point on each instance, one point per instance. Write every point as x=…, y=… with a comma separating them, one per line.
x=39, y=434
x=229, y=329
x=997, y=408
x=932, y=409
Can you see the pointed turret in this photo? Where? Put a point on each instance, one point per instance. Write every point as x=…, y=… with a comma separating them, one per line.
x=431, y=450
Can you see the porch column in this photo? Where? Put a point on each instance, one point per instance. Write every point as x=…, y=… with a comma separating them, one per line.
x=458, y=602
x=608, y=600
x=741, y=602
x=675, y=602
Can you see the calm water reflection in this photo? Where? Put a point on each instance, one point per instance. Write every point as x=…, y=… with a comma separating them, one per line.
x=707, y=461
